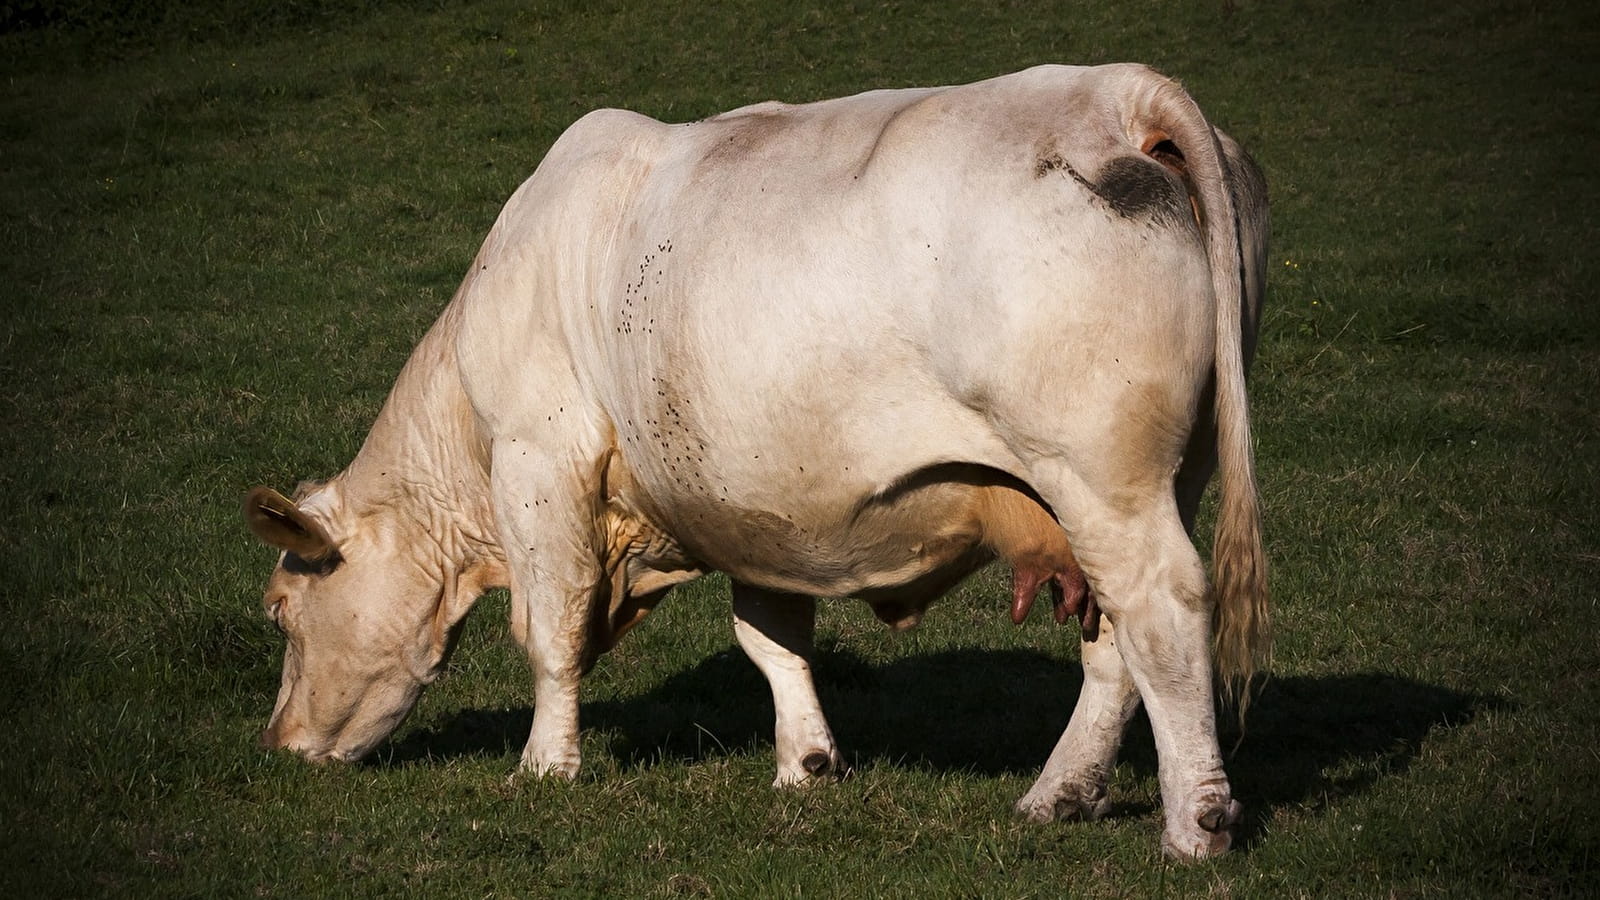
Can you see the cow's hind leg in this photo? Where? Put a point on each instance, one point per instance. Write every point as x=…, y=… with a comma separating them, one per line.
x=1151, y=586
x=775, y=631
x=1075, y=780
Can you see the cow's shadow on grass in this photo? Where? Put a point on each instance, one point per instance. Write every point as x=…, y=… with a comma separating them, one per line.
x=994, y=712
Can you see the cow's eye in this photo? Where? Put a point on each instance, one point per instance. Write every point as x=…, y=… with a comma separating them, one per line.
x=295, y=564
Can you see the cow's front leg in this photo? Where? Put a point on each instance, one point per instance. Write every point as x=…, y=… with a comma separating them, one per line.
x=1075, y=779
x=775, y=631
x=555, y=576
x=542, y=623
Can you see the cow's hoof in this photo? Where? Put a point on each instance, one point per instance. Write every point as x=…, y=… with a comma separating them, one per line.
x=564, y=768
x=815, y=767
x=1210, y=835
x=817, y=763
x=1074, y=803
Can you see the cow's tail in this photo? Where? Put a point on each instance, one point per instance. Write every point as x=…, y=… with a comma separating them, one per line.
x=1242, y=621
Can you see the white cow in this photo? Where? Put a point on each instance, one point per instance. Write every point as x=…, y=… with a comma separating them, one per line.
x=851, y=348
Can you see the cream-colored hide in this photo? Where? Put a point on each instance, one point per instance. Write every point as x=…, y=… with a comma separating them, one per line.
x=852, y=348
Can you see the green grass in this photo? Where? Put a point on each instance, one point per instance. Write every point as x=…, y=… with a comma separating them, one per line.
x=219, y=241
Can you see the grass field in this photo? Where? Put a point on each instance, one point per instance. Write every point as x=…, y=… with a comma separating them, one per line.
x=221, y=231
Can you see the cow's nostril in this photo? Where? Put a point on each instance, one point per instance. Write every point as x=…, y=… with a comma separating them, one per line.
x=275, y=610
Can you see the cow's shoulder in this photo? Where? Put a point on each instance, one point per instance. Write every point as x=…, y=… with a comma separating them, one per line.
x=764, y=108
x=605, y=137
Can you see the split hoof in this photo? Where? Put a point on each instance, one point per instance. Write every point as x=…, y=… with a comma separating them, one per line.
x=562, y=769
x=1086, y=803
x=817, y=764
x=815, y=767
x=1214, y=835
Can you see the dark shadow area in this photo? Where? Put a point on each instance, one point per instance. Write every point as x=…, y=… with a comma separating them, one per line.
x=984, y=711
x=470, y=732
x=1309, y=740
x=1316, y=740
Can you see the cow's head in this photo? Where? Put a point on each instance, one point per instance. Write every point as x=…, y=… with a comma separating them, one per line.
x=370, y=610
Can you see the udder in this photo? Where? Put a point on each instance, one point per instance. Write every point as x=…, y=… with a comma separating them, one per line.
x=976, y=523
x=1022, y=533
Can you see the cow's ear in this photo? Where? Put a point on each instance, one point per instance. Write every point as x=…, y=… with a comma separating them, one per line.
x=275, y=519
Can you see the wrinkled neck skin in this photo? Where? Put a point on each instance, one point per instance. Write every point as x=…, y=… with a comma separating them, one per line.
x=425, y=465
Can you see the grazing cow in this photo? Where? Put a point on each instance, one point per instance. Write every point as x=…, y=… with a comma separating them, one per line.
x=854, y=348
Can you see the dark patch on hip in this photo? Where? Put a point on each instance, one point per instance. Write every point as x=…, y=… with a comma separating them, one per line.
x=1130, y=186
x=1136, y=187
